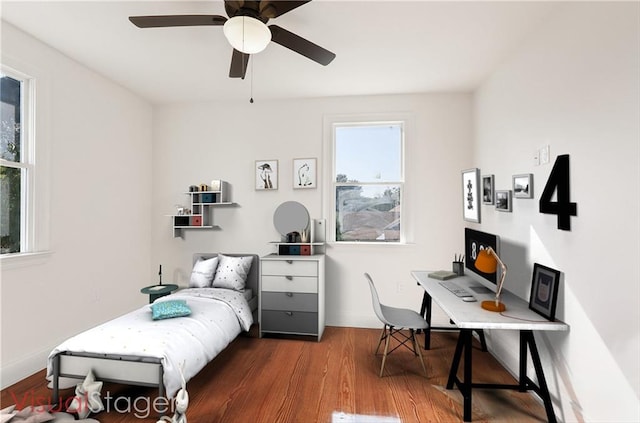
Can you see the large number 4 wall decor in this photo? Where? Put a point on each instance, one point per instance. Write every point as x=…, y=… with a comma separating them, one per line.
x=558, y=182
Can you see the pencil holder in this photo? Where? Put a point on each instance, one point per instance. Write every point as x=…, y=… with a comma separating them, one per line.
x=458, y=268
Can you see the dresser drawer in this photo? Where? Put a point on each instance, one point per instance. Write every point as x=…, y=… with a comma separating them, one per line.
x=290, y=284
x=289, y=301
x=289, y=321
x=289, y=267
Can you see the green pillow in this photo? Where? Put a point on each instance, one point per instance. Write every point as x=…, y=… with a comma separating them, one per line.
x=169, y=309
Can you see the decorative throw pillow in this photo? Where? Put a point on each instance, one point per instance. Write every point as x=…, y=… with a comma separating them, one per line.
x=88, y=398
x=232, y=272
x=7, y=414
x=202, y=273
x=169, y=309
x=32, y=414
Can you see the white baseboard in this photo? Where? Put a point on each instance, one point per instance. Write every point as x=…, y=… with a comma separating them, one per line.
x=354, y=321
x=17, y=370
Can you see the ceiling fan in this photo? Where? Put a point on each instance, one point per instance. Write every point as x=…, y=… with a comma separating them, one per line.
x=246, y=30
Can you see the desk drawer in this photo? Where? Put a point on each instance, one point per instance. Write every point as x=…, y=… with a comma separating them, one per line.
x=289, y=321
x=289, y=268
x=289, y=301
x=290, y=284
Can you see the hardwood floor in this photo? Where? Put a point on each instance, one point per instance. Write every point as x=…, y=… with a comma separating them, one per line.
x=290, y=380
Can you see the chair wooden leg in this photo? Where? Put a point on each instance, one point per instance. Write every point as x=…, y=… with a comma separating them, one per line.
x=417, y=349
x=413, y=341
x=384, y=329
x=386, y=350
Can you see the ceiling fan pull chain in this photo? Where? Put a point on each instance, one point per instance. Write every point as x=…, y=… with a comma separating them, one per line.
x=251, y=99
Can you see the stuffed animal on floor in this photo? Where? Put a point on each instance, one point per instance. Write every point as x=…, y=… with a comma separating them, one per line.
x=182, y=402
x=38, y=414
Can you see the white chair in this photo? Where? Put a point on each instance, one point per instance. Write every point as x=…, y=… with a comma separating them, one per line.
x=395, y=320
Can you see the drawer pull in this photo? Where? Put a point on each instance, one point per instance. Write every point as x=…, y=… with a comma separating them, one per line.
x=289, y=278
x=289, y=261
x=289, y=313
x=289, y=294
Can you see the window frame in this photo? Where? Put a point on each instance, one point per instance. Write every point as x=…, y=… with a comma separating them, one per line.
x=26, y=162
x=329, y=197
x=34, y=160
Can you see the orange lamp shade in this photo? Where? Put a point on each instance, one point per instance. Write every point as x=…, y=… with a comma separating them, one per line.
x=486, y=262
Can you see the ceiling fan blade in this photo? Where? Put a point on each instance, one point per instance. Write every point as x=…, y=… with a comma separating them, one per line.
x=176, y=20
x=232, y=7
x=239, y=62
x=300, y=45
x=273, y=9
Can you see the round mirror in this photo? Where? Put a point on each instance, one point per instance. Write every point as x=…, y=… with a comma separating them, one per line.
x=290, y=216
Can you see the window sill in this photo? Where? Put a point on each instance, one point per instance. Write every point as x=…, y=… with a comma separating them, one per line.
x=12, y=261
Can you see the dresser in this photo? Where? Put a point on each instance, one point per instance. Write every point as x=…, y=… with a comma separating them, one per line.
x=292, y=295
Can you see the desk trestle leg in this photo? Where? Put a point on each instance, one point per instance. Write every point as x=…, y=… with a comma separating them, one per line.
x=464, y=344
x=527, y=344
x=527, y=340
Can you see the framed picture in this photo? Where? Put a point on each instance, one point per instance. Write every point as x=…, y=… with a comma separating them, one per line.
x=266, y=175
x=488, y=196
x=471, y=195
x=544, y=291
x=523, y=186
x=304, y=173
x=503, y=200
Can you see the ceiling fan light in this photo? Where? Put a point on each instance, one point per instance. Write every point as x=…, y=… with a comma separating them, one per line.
x=247, y=34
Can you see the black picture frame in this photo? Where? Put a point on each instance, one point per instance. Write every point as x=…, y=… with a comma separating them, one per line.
x=544, y=291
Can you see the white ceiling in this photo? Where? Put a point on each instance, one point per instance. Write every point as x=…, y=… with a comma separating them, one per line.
x=382, y=47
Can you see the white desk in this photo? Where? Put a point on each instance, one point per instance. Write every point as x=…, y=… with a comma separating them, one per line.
x=469, y=316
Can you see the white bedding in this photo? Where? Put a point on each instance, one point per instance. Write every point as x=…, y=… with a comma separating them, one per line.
x=217, y=317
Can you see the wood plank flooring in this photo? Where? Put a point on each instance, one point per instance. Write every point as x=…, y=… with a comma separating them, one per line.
x=291, y=380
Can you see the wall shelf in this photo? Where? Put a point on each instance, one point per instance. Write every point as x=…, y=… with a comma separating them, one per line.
x=199, y=216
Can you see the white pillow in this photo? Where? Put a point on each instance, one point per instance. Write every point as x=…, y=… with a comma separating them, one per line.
x=202, y=273
x=232, y=272
x=88, y=398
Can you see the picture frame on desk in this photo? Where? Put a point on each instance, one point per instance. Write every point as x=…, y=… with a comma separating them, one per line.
x=544, y=291
x=471, y=195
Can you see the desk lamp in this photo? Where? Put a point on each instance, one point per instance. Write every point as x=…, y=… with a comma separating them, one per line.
x=487, y=262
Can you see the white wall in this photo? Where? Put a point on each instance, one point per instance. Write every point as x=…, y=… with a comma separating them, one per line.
x=200, y=142
x=98, y=136
x=574, y=85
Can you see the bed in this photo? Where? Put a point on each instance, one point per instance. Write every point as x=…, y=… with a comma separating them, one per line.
x=134, y=349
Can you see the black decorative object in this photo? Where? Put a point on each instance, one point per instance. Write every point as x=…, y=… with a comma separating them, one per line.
x=558, y=182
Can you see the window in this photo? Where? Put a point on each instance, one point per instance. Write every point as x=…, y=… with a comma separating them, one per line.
x=16, y=166
x=368, y=179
